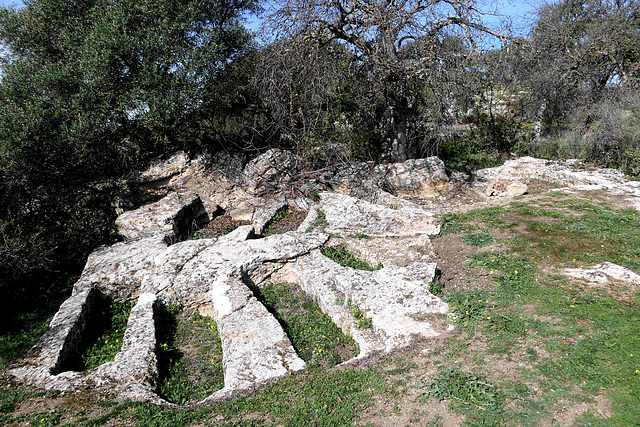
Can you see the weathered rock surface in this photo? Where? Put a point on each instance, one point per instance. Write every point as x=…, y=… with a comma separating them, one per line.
x=160, y=169
x=499, y=187
x=170, y=217
x=396, y=299
x=605, y=273
x=566, y=173
x=421, y=178
x=262, y=217
x=216, y=276
x=131, y=375
x=203, y=273
x=347, y=215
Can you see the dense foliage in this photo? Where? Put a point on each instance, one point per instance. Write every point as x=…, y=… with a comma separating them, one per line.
x=91, y=89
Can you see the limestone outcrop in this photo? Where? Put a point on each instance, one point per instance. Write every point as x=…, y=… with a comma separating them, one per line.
x=154, y=265
x=217, y=277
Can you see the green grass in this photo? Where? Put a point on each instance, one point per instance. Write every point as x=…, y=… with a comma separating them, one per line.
x=188, y=378
x=310, y=397
x=105, y=347
x=458, y=222
x=347, y=259
x=470, y=394
x=592, y=343
x=468, y=308
x=478, y=239
x=317, y=340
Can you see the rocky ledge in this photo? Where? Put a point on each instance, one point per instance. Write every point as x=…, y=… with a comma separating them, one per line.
x=153, y=265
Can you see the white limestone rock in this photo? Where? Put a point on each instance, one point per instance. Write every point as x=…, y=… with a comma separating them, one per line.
x=263, y=217
x=347, y=215
x=170, y=217
x=400, y=305
x=416, y=177
x=162, y=169
x=605, y=273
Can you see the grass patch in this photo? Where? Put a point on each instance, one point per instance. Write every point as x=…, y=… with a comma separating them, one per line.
x=105, y=347
x=315, y=337
x=310, y=397
x=468, y=308
x=471, y=394
x=458, y=222
x=596, y=235
x=347, y=259
x=478, y=239
x=189, y=354
x=591, y=345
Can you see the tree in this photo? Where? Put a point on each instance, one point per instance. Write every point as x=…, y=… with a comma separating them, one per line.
x=89, y=90
x=399, y=45
x=578, y=49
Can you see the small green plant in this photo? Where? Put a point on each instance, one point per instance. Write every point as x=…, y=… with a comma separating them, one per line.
x=394, y=207
x=360, y=235
x=471, y=393
x=463, y=387
x=450, y=223
x=321, y=220
x=468, y=308
x=315, y=337
x=436, y=288
x=347, y=259
x=189, y=354
x=109, y=342
x=340, y=298
x=279, y=216
x=478, y=239
x=362, y=321
x=198, y=235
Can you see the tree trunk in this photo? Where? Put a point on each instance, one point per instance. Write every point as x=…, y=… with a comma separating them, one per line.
x=399, y=139
x=539, y=126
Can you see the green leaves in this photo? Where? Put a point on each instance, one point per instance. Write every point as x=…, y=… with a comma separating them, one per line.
x=91, y=90
x=347, y=259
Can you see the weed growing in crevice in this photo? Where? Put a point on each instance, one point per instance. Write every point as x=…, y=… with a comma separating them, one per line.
x=436, y=287
x=189, y=355
x=347, y=259
x=360, y=235
x=284, y=220
x=109, y=341
x=362, y=321
x=314, y=336
x=321, y=220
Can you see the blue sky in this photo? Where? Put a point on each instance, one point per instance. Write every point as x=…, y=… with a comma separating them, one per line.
x=521, y=12
x=10, y=2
